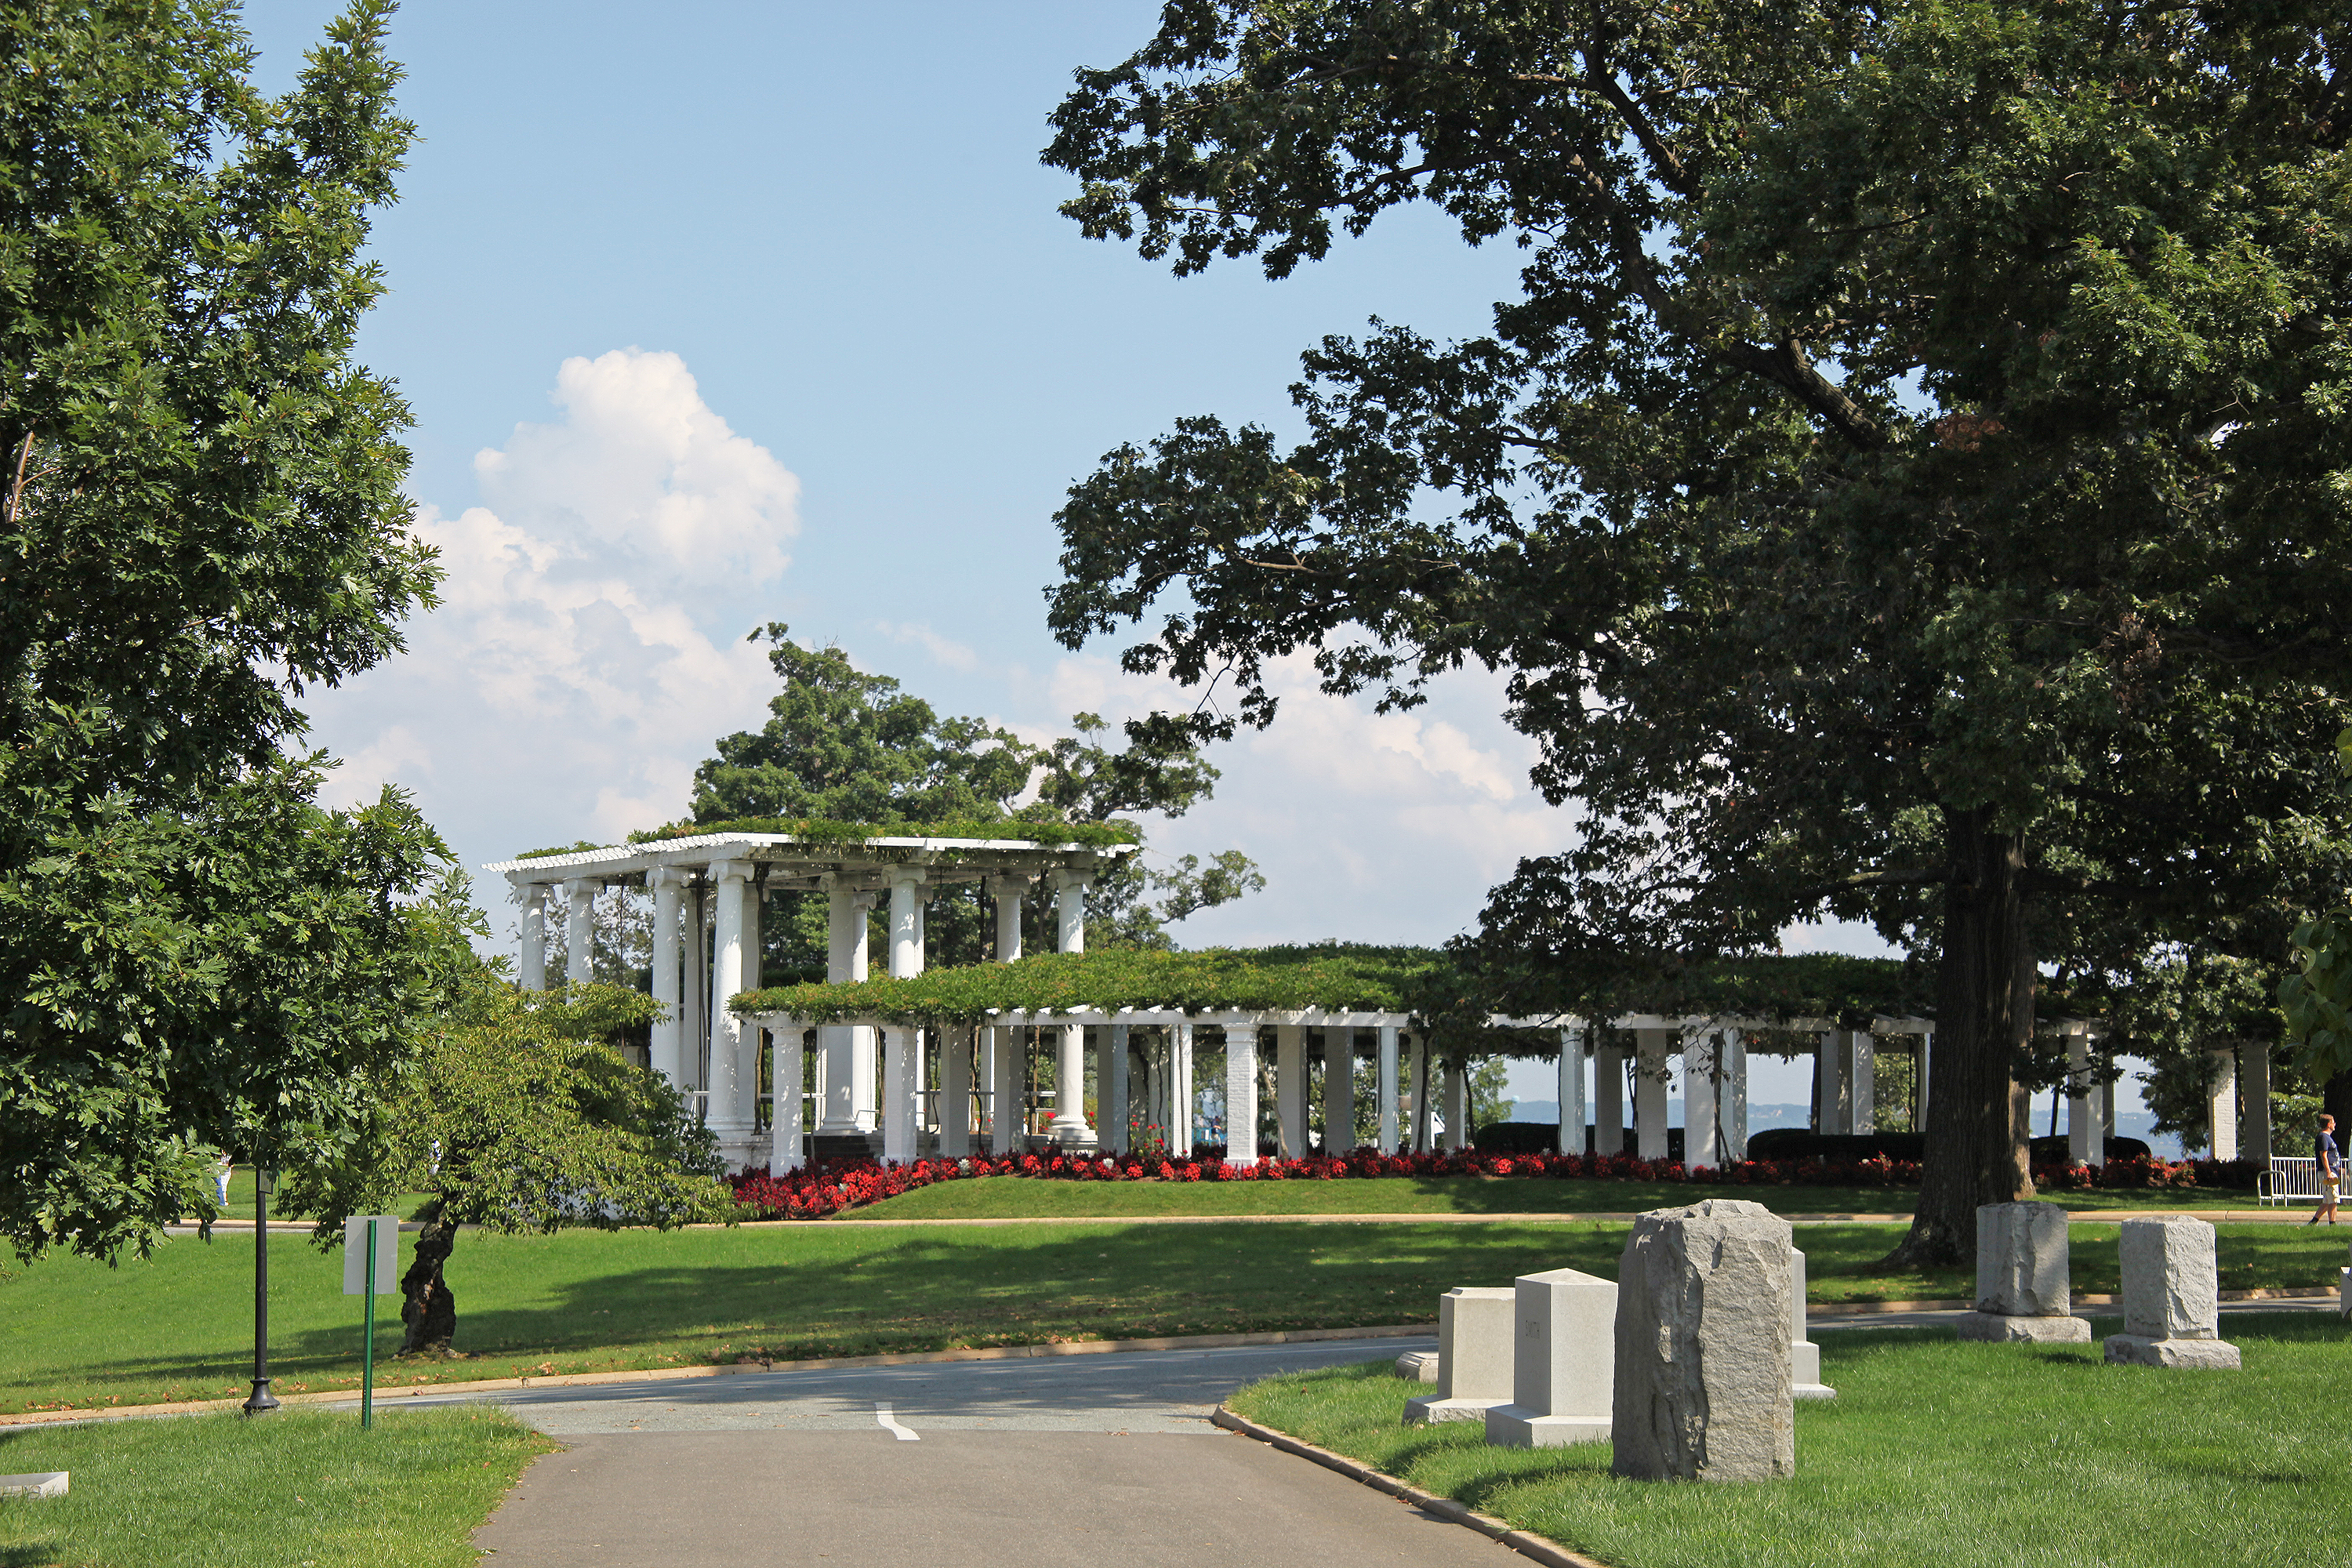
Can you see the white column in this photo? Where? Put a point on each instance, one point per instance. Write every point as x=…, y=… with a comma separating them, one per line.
x=667, y=1054
x=1731, y=1103
x=1653, y=1048
x=902, y=1048
x=730, y=1090
x=1339, y=1090
x=901, y=1051
x=1070, y=911
x=1455, y=1105
x=1180, y=1105
x=957, y=1046
x=848, y=1107
x=1007, y=1089
x=1290, y=1089
x=1009, y=891
x=1609, y=1098
x=2221, y=1105
x=2255, y=1103
x=1388, y=1091
x=2084, y=1147
x=1241, y=1094
x=906, y=922
x=1008, y=1097
x=694, y=1047
x=1112, y=1077
x=1571, y=1092
x=580, y=931
x=786, y=1120
x=534, y=934
x=1865, y=1079
x=1069, y=1125
x=1700, y=1071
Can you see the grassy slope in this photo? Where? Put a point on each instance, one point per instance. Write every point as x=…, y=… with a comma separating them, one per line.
x=299, y=1489
x=2039, y=1455
x=178, y=1326
x=1014, y=1197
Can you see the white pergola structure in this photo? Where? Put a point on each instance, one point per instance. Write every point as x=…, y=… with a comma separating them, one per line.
x=1713, y=1051
x=708, y=891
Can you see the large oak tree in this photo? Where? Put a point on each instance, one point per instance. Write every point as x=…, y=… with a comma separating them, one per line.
x=1911, y=483
x=200, y=517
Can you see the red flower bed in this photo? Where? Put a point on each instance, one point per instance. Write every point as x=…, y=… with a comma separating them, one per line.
x=823, y=1189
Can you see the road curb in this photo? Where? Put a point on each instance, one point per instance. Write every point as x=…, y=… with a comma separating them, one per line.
x=671, y=1374
x=1527, y=1543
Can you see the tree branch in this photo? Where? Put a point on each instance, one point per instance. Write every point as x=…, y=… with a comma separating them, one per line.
x=1669, y=169
x=17, y=489
x=1789, y=366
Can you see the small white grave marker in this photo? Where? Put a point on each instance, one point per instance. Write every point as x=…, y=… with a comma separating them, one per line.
x=50, y=1483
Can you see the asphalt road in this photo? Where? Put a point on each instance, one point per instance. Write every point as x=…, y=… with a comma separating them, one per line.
x=1095, y=1458
x=1137, y=1392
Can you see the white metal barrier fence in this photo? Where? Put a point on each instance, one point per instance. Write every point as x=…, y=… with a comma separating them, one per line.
x=2291, y=1179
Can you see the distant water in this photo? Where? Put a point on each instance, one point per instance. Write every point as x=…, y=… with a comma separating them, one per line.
x=2130, y=1123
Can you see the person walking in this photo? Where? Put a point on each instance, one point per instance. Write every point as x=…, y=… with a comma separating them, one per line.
x=2331, y=1172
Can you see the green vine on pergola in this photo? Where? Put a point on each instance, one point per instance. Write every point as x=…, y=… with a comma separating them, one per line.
x=1424, y=984
x=1212, y=980
x=806, y=830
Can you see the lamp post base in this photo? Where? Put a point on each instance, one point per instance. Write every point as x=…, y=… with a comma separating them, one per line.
x=263, y=1402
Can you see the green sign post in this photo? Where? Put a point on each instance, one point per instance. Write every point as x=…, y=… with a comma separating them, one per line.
x=371, y=1256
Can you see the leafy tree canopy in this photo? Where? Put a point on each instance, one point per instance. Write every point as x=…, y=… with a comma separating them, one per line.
x=200, y=517
x=850, y=754
x=1907, y=487
x=520, y=1117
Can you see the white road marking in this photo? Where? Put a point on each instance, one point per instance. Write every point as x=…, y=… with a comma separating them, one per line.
x=890, y=1423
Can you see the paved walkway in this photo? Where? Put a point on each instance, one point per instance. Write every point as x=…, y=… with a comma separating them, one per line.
x=945, y=1465
x=942, y=1463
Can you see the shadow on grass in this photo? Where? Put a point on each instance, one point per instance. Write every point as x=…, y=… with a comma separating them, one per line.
x=843, y=1292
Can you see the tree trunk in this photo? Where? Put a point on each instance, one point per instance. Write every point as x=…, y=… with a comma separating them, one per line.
x=2336, y=1099
x=428, y=1309
x=1979, y=1120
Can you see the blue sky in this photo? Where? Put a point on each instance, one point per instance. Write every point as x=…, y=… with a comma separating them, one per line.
x=731, y=313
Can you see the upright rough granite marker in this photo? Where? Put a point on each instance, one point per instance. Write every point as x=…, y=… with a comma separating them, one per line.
x=2024, y=1287
x=1473, y=1356
x=2172, y=1298
x=1703, y=1385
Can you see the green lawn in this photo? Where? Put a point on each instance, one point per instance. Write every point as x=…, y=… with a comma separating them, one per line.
x=240, y=1199
x=1934, y=1453
x=178, y=1326
x=300, y=1489
x=1014, y=1197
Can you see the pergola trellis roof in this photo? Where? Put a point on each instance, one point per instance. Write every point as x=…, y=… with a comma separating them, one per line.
x=802, y=861
x=1332, y=985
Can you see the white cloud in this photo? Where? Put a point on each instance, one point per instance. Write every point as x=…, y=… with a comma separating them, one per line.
x=589, y=643
x=1368, y=826
x=641, y=467
x=946, y=651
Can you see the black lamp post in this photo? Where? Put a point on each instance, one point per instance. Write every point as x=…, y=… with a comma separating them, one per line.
x=265, y=1180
